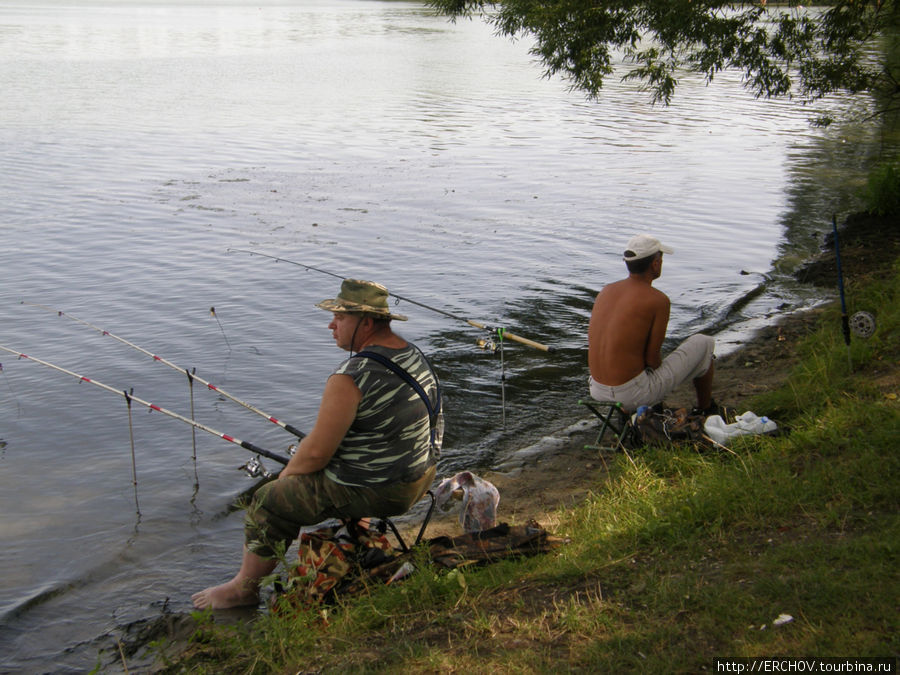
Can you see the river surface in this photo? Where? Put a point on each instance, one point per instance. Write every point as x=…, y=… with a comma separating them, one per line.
x=142, y=140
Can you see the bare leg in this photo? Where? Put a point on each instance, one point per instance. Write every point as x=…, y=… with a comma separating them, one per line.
x=242, y=590
x=703, y=387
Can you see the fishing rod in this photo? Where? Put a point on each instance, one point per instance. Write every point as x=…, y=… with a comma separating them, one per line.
x=845, y=320
x=152, y=406
x=505, y=333
x=190, y=375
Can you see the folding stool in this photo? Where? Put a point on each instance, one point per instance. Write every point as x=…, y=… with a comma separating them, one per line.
x=613, y=419
x=385, y=523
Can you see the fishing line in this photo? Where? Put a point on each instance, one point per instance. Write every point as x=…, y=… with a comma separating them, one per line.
x=190, y=377
x=208, y=385
x=12, y=391
x=471, y=322
x=133, y=459
x=152, y=406
x=500, y=333
x=212, y=311
x=494, y=346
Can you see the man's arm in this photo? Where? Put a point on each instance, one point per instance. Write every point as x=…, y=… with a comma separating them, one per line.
x=660, y=308
x=336, y=413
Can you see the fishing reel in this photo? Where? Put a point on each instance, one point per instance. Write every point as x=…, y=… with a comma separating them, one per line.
x=254, y=469
x=488, y=345
x=491, y=344
x=862, y=324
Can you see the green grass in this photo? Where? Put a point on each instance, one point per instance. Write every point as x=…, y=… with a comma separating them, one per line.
x=882, y=193
x=678, y=558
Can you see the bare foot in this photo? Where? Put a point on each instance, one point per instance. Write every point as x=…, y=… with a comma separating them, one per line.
x=231, y=594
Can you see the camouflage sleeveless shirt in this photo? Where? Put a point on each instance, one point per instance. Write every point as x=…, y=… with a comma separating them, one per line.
x=390, y=439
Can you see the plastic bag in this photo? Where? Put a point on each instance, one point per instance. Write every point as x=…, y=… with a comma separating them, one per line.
x=747, y=423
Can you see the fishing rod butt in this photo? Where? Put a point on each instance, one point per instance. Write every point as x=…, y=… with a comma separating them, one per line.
x=505, y=334
x=265, y=453
x=526, y=341
x=294, y=430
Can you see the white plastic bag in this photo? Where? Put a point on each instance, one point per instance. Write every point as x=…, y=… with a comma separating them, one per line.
x=747, y=423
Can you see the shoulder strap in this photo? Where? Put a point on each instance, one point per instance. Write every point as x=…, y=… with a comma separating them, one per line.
x=433, y=410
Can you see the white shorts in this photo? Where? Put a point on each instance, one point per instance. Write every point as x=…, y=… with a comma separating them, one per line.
x=690, y=360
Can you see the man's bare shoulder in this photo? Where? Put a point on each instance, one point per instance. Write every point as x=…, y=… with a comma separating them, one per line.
x=614, y=289
x=633, y=292
x=659, y=296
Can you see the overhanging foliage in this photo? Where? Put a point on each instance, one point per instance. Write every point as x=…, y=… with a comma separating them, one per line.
x=781, y=50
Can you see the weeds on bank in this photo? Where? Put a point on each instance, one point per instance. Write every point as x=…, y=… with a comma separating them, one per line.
x=678, y=558
x=882, y=193
x=829, y=370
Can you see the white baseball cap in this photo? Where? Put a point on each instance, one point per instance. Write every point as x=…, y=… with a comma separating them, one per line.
x=643, y=246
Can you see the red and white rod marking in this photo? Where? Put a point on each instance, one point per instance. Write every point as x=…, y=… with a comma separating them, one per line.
x=287, y=427
x=231, y=439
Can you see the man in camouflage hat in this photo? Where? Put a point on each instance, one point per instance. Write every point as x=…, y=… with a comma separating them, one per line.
x=372, y=450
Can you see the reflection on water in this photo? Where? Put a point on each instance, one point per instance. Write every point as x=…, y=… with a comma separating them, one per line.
x=141, y=140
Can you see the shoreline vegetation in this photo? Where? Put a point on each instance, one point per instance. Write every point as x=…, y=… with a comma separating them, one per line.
x=676, y=556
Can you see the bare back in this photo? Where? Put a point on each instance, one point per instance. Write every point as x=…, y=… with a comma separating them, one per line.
x=626, y=332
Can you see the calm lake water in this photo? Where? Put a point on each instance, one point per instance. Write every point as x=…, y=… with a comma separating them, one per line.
x=141, y=140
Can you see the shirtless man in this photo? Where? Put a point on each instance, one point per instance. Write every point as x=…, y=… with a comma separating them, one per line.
x=626, y=333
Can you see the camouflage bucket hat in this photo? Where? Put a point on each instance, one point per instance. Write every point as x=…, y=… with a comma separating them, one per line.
x=361, y=296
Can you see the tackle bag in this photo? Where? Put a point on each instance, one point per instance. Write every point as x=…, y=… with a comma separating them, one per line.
x=328, y=560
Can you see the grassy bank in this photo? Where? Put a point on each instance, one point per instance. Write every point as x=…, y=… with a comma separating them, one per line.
x=679, y=557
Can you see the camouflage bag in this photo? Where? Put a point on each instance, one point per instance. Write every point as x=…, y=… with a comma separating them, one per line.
x=330, y=558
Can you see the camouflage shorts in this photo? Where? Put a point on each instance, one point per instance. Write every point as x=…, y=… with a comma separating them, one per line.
x=280, y=508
